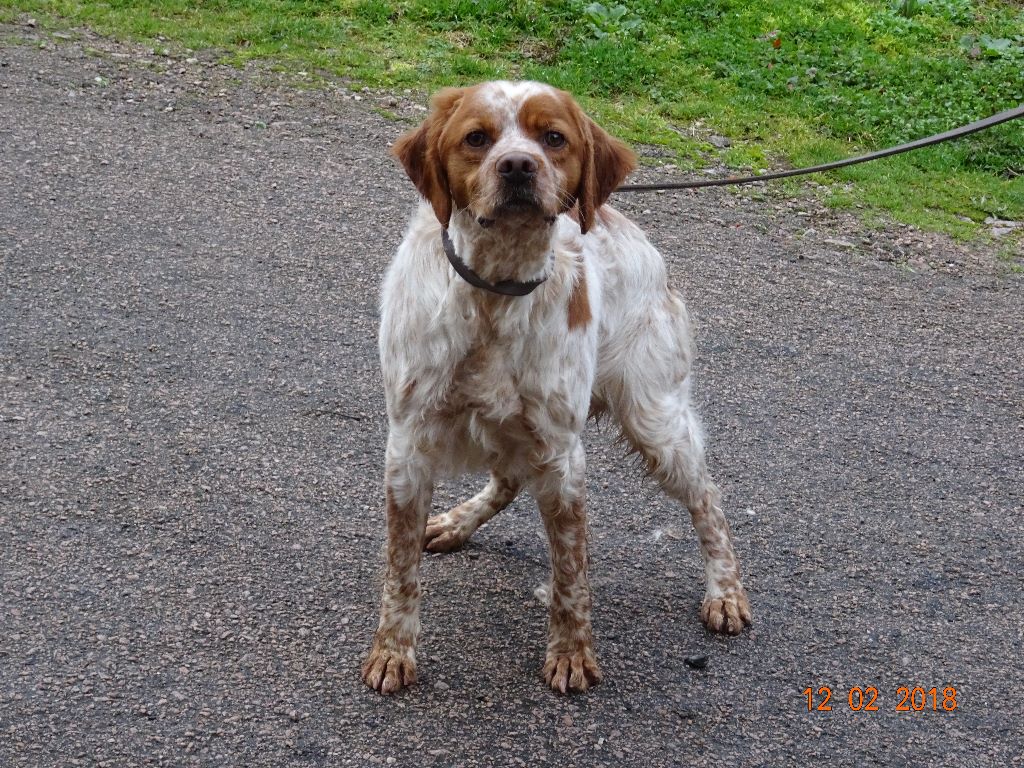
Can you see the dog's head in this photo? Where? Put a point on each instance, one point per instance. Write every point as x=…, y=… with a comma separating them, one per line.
x=502, y=148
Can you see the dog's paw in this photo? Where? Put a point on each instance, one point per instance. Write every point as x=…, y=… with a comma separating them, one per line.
x=387, y=670
x=445, y=533
x=727, y=614
x=575, y=671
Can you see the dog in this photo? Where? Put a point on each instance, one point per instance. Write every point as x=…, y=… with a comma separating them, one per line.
x=517, y=305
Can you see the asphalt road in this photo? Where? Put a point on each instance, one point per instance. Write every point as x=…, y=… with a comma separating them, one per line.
x=191, y=446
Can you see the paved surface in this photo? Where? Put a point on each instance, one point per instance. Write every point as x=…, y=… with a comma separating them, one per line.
x=191, y=442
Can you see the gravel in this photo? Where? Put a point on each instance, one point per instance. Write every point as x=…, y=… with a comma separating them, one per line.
x=191, y=445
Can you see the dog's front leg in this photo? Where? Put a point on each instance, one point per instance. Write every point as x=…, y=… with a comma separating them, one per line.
x=570, y=663
x=391, y=662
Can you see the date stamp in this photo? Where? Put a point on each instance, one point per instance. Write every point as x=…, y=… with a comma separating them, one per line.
x=868, y=699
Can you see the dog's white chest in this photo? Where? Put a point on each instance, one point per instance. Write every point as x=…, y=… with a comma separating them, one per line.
x=497, y=409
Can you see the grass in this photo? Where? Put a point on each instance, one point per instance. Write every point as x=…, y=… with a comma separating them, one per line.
x=787, y=82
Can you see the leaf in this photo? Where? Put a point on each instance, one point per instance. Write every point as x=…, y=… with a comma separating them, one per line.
x=994, y=45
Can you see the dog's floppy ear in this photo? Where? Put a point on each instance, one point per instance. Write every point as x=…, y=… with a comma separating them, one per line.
x=419, y=153
x=606, y=162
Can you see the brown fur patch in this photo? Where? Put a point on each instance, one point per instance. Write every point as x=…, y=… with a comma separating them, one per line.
x=608, y=162
x=579, y=303
x=557, y=112
x=417, y=150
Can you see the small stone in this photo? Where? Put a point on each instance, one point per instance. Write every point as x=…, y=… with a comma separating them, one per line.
x=838, y=243
x=441, y=685
x=696, y=662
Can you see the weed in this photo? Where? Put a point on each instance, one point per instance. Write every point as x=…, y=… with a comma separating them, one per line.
x=611, y=21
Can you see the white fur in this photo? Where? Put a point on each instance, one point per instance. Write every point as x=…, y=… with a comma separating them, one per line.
x=639, y=333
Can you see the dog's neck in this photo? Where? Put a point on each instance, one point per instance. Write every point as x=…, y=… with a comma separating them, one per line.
x=515, y=246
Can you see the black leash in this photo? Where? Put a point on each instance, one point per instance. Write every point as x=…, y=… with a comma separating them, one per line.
x=978, y=125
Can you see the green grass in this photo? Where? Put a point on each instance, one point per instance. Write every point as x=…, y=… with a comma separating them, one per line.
x=788, y=82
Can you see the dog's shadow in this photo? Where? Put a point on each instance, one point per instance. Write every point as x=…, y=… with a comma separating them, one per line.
x=484, y=614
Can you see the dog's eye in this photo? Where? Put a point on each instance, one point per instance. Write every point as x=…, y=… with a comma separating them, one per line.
x=476, y=139
x=554, y=139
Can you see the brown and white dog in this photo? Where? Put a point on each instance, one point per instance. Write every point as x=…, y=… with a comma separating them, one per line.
x=514, y=178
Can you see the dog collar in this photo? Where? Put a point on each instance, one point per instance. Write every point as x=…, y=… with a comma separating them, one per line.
x=503, y=287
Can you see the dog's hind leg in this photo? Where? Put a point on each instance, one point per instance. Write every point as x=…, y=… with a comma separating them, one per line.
x=649, y=396
x=667, y=433
x=449, y=531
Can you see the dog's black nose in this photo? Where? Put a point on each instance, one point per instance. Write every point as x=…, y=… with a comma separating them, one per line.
x=517, y=168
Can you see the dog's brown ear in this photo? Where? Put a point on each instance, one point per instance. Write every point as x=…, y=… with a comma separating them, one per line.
x=419, y=152
x=607, y=161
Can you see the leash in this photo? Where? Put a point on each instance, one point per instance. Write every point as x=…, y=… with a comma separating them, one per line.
x=978, y=125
